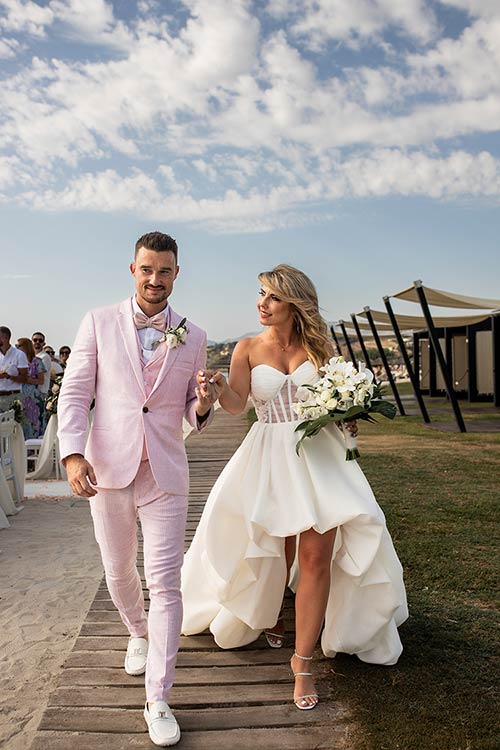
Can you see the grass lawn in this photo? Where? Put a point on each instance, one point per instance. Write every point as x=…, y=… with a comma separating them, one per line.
x=440, y=494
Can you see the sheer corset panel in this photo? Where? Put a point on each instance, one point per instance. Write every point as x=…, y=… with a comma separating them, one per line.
x=273, y=392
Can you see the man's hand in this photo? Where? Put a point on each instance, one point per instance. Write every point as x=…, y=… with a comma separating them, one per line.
x=79, y=472
x=210, y=386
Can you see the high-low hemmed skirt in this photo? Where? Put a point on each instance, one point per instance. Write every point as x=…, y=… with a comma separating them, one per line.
x=234, y=573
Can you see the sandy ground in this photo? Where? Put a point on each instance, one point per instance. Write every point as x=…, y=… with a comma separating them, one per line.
x=49, y=572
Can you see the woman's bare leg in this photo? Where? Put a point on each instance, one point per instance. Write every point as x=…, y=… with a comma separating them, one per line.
x=315, y=556
x=279, y=627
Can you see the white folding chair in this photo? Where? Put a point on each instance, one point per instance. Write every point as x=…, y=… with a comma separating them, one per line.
x=7, y=427
x=32, y=452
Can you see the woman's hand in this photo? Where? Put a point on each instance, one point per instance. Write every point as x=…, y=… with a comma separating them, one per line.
x=211, y=381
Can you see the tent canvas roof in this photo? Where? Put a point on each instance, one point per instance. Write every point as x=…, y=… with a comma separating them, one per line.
x=439, y=298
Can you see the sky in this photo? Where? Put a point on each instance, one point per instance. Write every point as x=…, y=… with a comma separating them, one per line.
x=355, y=139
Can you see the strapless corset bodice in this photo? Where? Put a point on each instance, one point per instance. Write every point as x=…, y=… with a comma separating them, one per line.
x=273, y=392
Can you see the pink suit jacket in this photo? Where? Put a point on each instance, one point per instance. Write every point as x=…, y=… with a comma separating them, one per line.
x=105, y=364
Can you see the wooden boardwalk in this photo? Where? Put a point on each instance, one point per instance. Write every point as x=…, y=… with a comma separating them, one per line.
x=229, y=700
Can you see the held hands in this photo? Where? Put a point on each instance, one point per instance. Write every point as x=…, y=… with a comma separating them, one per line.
x=210, y=386
x=79, y=472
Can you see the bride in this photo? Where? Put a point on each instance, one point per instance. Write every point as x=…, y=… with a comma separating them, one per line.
x=270, y=509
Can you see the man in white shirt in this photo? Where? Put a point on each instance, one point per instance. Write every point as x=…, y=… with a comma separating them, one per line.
x=14, y=367
x=38, y=340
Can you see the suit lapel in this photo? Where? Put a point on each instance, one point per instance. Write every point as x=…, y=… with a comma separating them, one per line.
x=129, y=333
x=170, y=355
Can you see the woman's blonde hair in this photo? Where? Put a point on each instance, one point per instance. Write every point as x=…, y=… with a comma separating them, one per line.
x=30, y=349
x=293, y=286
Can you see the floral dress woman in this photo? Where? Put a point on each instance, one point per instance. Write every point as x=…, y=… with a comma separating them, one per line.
x=33, y=401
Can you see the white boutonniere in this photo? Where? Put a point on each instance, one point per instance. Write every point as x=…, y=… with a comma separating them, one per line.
x=173, y=337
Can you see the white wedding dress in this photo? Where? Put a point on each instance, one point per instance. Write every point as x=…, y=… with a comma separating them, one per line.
x=233, y=576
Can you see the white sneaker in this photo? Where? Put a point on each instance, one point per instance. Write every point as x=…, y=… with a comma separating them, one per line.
x=137, y=654
x=162, y=724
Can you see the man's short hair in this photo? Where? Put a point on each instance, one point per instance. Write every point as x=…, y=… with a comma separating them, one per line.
x=38, y=333
x=157, y=241
x=5, y=332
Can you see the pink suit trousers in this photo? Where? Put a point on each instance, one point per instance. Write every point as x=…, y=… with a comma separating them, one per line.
x=163, y=520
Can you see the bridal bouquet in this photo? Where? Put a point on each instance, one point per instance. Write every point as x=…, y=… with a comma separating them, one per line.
x=342, y=393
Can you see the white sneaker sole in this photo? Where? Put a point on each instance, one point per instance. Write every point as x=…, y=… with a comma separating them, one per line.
x=161, y=743
x=135, y=672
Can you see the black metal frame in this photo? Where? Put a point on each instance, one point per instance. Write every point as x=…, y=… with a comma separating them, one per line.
x=348, y=343
x=334, y=336
x=362, y=345
x=383, y=357
x=433, y=335
x=407, y=361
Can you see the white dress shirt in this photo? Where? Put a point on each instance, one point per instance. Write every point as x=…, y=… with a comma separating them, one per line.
x=148, y=336
x=44, y=387
x=12, y=361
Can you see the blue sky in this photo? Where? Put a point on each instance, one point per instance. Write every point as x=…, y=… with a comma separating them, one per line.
x=356, y=139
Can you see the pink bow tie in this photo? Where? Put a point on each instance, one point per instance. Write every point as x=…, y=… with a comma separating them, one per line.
x=142, y=321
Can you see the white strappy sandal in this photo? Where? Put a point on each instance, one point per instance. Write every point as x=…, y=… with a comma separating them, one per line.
x=275, y=640
x=298, y=701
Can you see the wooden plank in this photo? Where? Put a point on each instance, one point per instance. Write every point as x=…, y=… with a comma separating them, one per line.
x=183, y=676
x=188, y=643
x=195, y=659
x=179, y=696
x=130, y=721
x=301, y=738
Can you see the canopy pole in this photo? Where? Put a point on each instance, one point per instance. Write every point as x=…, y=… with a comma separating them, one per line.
x=348, y=342
x=495, y=332
x=439, y=355
x=407, y=361
x=334, y=337
x=383, y=357
x=362, y=345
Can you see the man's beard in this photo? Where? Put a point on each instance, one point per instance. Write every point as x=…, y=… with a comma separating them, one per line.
x=158, y=300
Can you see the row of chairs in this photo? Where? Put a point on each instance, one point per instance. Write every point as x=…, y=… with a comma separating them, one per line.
x=10, y=473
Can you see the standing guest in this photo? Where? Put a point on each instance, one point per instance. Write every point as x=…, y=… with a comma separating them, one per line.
x=31, y=397
x=64, y=353
x=55, y=367
x=140, y=360
x=13, y=370
x=38, y=339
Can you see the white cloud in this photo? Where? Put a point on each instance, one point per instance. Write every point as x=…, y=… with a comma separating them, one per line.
x=25, y=16
x=384, y=172
x=220, y=121
x=355, y=21
x=9, y=48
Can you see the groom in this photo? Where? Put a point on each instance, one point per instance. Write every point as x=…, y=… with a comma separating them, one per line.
x=139, y=361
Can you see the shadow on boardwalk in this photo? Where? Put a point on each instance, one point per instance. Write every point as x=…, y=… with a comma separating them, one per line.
x=237, y=700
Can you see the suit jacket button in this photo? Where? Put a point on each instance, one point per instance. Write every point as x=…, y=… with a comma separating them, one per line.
x=145, y=409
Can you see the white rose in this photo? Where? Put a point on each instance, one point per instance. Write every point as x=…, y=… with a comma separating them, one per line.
x=171, y=340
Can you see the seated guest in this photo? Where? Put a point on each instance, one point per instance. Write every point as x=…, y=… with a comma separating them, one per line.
x=13, y=370
x=31, y=397
x=64, y=353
